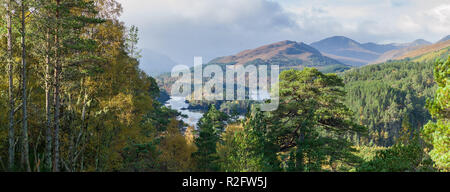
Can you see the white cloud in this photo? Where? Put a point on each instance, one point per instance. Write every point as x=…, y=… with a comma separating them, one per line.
x=441, y=17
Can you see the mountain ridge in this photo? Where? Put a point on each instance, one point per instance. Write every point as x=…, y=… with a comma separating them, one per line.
x=351, y=52
x=334, y=50
x=287, y=54
x=446, y=38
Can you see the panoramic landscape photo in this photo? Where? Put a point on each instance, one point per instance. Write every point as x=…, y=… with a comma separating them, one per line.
x=224, y=86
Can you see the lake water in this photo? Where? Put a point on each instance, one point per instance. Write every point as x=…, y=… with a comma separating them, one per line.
x=179, y=104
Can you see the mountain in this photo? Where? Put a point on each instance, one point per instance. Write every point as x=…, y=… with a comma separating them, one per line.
x=421, y=50
x=154, y=63
x=351, y=52
x=379, y=48
x=418, y=42
x=446, y=38
x=413, y=51
x=287, y=54
x=390, y=55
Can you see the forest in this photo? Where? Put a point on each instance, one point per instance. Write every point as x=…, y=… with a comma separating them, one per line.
x=73, y=99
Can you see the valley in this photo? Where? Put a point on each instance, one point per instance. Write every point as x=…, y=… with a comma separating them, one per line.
x=406, y=79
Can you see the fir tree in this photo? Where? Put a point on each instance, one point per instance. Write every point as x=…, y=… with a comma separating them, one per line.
x=210, y=126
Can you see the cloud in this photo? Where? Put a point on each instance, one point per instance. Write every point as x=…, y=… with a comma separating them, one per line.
x=441, y=17
x=183, y=29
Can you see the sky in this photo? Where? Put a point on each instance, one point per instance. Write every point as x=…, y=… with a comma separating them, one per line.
x=182, y=29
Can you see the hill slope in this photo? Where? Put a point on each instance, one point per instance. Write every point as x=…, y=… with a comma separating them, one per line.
x=351, y=52
x=446, y=38
x=424, y=50
x=387, y=97
x=390, y=96
x=412, y=52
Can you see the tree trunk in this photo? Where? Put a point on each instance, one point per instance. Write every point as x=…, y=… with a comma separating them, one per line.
x=24, y=95
x=56, y=92
x=48, y=147
x=11, y=148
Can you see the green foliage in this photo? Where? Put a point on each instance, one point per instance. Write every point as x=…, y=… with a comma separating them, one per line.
x=383, y=96
x=110, y=119
x=401, y=157
x=438, y=133
x=131, y=42
x=312, y=123
x=176, y=150
x=210, y=126
x=432, y=56
x=248, y=149
x=141, y=157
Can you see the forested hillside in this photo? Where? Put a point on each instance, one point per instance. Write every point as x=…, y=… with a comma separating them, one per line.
x=390, y=97
x=387, y=97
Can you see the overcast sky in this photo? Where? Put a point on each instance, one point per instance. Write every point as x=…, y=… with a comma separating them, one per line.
x=182, y=29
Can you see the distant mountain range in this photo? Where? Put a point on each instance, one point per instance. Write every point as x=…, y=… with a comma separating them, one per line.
x=286, y=54
x=333, y=54
x=353, y=53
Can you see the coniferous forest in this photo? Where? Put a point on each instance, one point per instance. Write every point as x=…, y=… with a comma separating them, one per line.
x=73, y=99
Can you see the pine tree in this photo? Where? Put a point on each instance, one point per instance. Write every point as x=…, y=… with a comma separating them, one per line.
x=248, y=149
x=438, y=133
x=311, y=121
x=210, y=126
x=71, y=18
x=132, y=41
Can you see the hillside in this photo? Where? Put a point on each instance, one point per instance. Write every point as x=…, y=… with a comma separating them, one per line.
x=432, y=56
x=412, y=51
x=417, y=42
x=424, y=50
x=351, y=52
x=387, y=97
x=446, y=38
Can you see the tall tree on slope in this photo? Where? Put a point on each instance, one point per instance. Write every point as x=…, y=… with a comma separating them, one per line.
x=438, y=133
x=11, y=133
x=25, y=143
